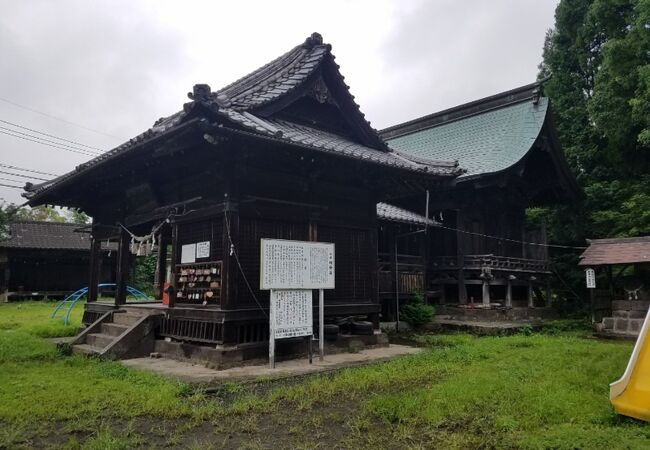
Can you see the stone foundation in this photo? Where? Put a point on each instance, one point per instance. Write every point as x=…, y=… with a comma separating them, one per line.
x=626, y=320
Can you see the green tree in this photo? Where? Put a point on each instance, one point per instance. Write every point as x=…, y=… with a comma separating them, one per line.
x=598, y=59
x=7, y=213
x=39, y=213
x=598, y=56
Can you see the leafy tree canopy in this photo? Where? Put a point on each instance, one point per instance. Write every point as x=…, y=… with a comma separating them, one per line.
x=598, y=56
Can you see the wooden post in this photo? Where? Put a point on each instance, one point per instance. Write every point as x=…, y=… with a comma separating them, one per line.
x=174, y=261
x=272, y=333
x=161, y=266
x=229, y=270
x=95, y=259
x=549, y=293
x=486, y=292
x=122, y=268
x=460, y=255
x=531, y=300
x=393, y=268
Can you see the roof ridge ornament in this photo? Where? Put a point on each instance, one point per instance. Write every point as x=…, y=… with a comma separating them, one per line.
x=200, y=92
x=313, y=40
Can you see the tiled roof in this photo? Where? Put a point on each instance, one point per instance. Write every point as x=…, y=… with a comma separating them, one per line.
x=616, y=251
x=46, y=235
x=482, y=143
x=327, y=142
x=240, y=102
x=393, y=213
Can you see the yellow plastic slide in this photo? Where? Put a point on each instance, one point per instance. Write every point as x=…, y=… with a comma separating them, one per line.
x=631, y=394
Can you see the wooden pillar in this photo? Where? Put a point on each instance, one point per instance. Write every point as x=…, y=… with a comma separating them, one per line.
x=460, y=255
x=394, y=276
x=174, y=261
x=230, y=270
x=122, y=273
x=531, y=300
x=161, y=265
x=509, y=279
x=95, y=260
x=486, y=292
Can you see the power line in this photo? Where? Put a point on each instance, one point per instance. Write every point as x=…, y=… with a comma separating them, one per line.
x=58, y=118
x=11, y=179
x=511, y=240
x=27, y=170
x=29, y=177
x=49, y=145
x=61, y=144
x=50, y=135
x=11, y=186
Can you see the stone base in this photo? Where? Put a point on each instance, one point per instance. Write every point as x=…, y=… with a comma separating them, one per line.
x=224, y=357
x=494, y=314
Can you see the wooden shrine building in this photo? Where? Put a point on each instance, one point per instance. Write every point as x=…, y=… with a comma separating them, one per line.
x=508, y=146
x=47, y=259
x=283, y=152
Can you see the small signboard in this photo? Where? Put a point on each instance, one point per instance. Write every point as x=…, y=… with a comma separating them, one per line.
x=590, y=276
x=291, y=313
x=291, y=270
x=203, y=249
x=296, y=265
x=188, y=253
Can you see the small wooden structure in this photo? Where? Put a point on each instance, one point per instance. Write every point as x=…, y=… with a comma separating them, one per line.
x=621, y=298
x=480, y=253
x=283, y=152
x=47, y=259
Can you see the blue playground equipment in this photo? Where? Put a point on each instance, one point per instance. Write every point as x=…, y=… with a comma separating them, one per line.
x=65, y=306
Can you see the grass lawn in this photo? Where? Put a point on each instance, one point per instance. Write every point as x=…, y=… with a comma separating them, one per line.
x=546, y=390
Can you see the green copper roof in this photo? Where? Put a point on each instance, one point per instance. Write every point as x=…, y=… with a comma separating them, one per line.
x=484, y=143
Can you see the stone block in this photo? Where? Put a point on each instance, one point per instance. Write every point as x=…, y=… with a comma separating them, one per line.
x=608, y=322
x=621, y=324
x=635, y=325
x=637, y=314
x=621, y=313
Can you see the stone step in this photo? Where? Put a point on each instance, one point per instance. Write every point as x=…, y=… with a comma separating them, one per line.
x=99, y=340
x=113, y=329
x=126, y=318
x=622, y=324
x=85, y=349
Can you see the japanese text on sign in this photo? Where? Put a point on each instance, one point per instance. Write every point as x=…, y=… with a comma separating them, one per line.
x=291, y=313
x=296, y=265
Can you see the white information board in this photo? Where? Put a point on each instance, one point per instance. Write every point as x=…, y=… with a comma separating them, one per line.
x=291, y=313
x=188, y=253
x=590, y=276
x=203, y=249
x=296, y=264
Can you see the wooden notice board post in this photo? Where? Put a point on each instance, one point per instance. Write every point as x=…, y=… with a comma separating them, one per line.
x=291, y=270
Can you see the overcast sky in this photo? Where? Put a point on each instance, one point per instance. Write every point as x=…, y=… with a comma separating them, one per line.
x=116, y=66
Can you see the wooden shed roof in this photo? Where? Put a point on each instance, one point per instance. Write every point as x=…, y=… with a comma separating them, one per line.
x=603, y=252
x=391, y=213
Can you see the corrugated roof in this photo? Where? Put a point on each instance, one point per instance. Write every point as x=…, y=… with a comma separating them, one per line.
x=616, y=251
x=487, y=142
x=46, y=235
x=393, y=213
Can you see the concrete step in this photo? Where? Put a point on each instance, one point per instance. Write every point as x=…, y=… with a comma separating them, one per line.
x=126, y=318
x=99, y=340
x=113, y=329
x=85, y=349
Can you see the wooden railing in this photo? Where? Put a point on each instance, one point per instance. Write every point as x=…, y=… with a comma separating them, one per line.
x=492, y=262
x=410, y=273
